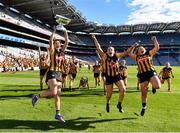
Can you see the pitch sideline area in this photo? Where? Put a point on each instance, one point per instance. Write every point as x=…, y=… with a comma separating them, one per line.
x=85, y=110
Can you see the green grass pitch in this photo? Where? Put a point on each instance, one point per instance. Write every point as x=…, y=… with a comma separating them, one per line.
x=85, y=111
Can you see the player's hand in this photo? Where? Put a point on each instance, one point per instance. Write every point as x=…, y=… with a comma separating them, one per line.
x=153, y=38
x=133, y=46
x=136, y=44
x=93, y=37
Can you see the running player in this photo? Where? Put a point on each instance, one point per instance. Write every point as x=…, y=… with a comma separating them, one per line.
x=110, y=68
x=72, y=72
x=65, y=72
x=43, y=65
x=123, y=71
x=166, y=74
x=102, y=73
x=53, y=75
x=146, y=71
x=96, y=71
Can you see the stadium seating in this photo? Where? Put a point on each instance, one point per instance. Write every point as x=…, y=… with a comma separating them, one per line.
x=169, y=42
x=83, y=47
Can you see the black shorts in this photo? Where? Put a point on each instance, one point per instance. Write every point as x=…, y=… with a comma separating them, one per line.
x=64, y=75
x=166, y=78
x=113, y=79
x=53, y=75
x=43, y=72
x=73, y=75
x=123, y=77
x=96, y=75
x=146, y=76
x=103, y=74
x=137, y=75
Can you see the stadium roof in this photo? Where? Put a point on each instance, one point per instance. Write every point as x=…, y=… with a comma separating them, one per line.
x=43, y=10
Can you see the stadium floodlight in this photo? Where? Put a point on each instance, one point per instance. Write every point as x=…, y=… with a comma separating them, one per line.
x=27, y=16
x=14, y=10
x=39, y=21
x=151, y=32
x=1, y=4
x=47, y=25
x=169, y=31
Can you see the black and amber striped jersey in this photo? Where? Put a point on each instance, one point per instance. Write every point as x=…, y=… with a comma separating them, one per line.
x=56, y=60
x=110, y=65
x=144, y=62
x=44, y=63
x=166, y=72
x=96, y=68
x=73, y=68
x=123, y=71
x=65, y=69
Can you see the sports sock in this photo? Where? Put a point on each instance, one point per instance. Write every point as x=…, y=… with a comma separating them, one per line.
x=119, y=104
x=143, y=105
x=57, y=111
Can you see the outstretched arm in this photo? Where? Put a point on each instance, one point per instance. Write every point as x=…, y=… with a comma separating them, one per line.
x=98, y=47
x=128, y=51
x=131, y=54
x=66, y=40
x=156, y=46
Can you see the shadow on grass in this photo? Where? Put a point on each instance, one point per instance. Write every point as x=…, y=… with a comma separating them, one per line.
x=78, y=124
x=19, y=87
x=6, y=97
x=132, y=90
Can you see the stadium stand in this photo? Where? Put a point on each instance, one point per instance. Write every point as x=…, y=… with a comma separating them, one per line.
x=17, y=59
x=31, y=29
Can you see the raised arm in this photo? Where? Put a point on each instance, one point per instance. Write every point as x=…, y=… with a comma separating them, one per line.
x=131, y=54
x=98, y=55
x=51, y=43
x=98, y=47
x=66, y=40
x=127, y=52
x=156, y=46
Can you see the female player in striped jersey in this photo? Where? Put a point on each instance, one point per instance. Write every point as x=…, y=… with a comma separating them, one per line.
x=43, y=65
x=111, y=70
x=96, y=71
x=53, y=75
x=123, y=71
x=166, y=74
x=102, y=73
x=146, y=71
x=72, y=72
x=65, y=72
